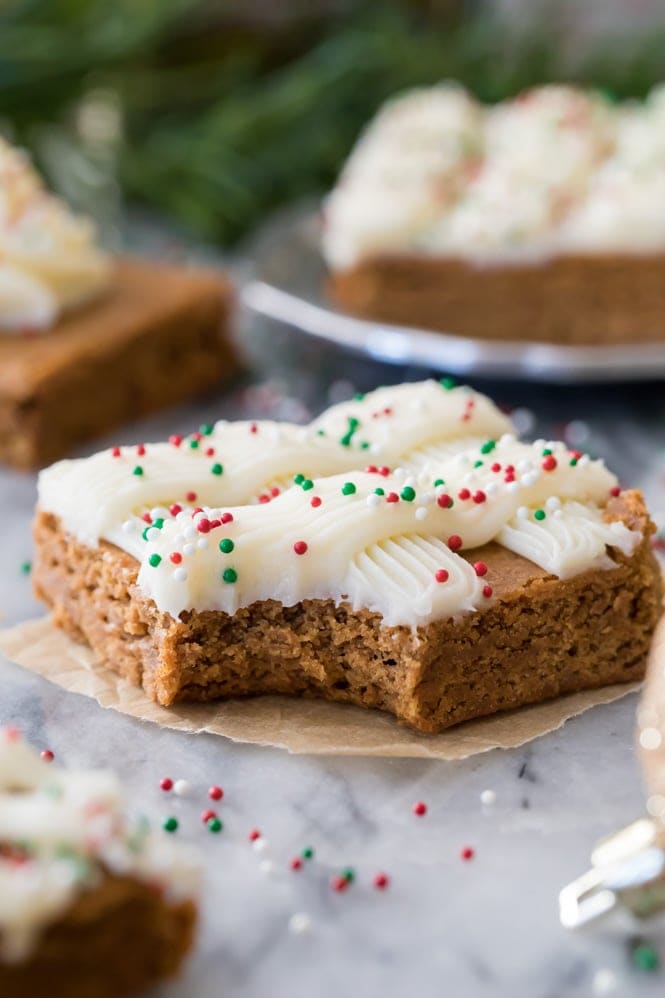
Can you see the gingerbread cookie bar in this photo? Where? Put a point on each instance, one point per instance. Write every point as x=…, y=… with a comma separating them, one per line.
x=537, y=219
x=459, y=573
x=88, y=342
x=91, y=905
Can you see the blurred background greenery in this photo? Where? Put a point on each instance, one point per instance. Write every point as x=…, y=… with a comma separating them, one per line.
x=214, y=113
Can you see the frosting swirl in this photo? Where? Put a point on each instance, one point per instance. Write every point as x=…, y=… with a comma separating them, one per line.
x=49, y=261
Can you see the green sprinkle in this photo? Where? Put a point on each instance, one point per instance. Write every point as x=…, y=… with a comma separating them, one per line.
x=138, y=470
x=478, y=464
x=215, y=825
x=488, y=447
x=364, y=445
x=439, y=481
x=307, y=853
x=539, y=514
x=349, y=874
x=158, y=523
x=26, y=567
x=547, y=452
x=194, y=444
x=359, y=396
x=573, y=462
x=408, y=494
x=348, y=489
x=217, y=469
x=645, y=957
x=354, y=423
x=379, y=492
x=320, y=433
x=230, y=575
x=307, y=485
x=298, y=479
x=170, y=825
x=226, y=545
x=206, y=429
x=447, y=383
x=154, y=560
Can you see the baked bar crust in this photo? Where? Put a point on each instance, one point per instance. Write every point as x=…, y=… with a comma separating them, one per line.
x=574, y=299
x=115, y=939
x=539, y=637
x=157, y=337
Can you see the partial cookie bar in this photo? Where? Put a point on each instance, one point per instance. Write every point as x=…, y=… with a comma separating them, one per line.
x=158, y=335
x=92, y=904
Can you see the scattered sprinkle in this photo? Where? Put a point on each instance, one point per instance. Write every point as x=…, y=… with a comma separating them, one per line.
x=419, y=808
x=170, y=825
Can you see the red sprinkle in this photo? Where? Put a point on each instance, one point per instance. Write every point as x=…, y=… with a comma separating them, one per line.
x=47, y=755
x=419, y=808
x=146, y=517
x=12, y=734
x=372, y=469
x=175, y=439
x=549, y=463
x=487, y=591
x=444, y=501
x=615, y=490
x=140, y=450
x=226, y=517
x=479, y=496
x=467, y=853
x=175, y=509
x=392, y=497
x=274, y=491
x=295, y=863
x=207, y=816
x=203, y=525
x=264, y=498
x=176, y=557
x=215, y=793
x=190, y=496
x=480, y=568
x=115, y=452
x=166, y=783
x=253, y=428
x=463, y=494
x=210, y=452
x=441, y=575
x=496, y=466
x=254, y=835
x=385, y=471
x=577, y=454
x=339, y=884
x=381, y=881
x=315, y=501
x=300, y=547
x=455, y=542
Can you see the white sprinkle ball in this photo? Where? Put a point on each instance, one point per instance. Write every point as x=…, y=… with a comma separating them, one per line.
x=604, y=981
x=492, y=488
x=376, y=449
x=421, y=513
x=507, y=438
x=260, y=844
x=181, y=788
x=188, y=549
x=650, y=739
x=530, y=479
x=399, y=474
x=300, y=923
x=202, y=543
x=524, y=466
x=552, y=503
x=180, y=575
x=190, y=532
x=512, y=487
x=583, y=461
x=487, y=798
x=128, y=527
x=152, y=533
x=373, y=500
x=523, y=513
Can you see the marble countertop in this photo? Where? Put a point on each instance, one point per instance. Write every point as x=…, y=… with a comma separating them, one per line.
x=445, y=926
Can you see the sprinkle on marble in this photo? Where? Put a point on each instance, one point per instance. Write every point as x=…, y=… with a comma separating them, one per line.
x=381, y=881
x=47, y=755
x=208, y=815
x=215, y=793
x=170, y=825
x=467, y=853
x=604, y=981
x=267, y=867
x=645, y=957
x=254, y=834
x=300, y=923
x=166, y=784
x=296, y=863
x=339, y=883
x=214, y=825
x=419, y=808
x=181, y=788
x=488, y=798
x=307, y=853
x=260, y=844
x=26, y=567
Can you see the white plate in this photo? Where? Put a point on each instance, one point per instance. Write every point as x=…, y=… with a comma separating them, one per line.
x=287, y=285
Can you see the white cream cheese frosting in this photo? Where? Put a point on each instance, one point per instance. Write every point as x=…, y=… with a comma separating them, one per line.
x=49, y=260
x=243, y=512
x=556, y=170
x=59, y=831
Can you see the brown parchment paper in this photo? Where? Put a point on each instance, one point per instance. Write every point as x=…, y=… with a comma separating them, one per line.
x=301, y=726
